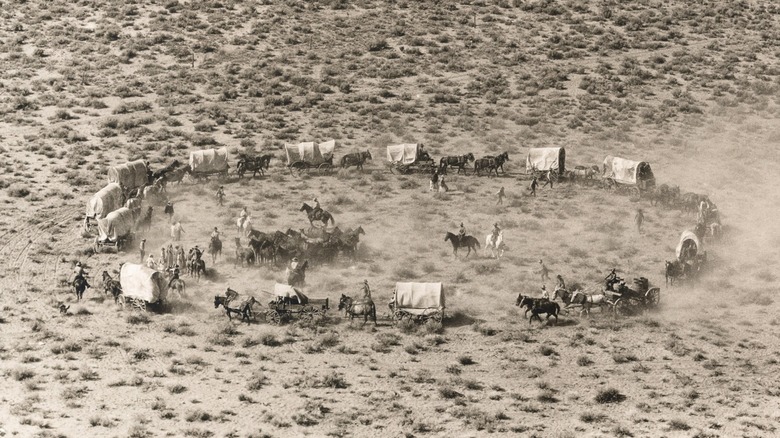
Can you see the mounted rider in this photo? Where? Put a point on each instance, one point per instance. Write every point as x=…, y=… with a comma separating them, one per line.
x=242, y=217
x=215, y=234
x=496, y=233
x=561, y=285
x=461, y=233
x=80, y=273
x=174, y=275
x=196, y=253
x=366, y=291
x=611, y=279
x=545, y=295
x=317, y=209
x=292, y=267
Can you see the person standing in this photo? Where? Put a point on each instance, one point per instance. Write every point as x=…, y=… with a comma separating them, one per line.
x=544, y=271
x=548, y=179
x=220, y=195
x=163, y=259
x=534, y=185
x=442, y=185
x=434, y=181
x=501, y=195
x=639, y=219
x=366, y=291
x=176, y=230
x=169, y=211
x=142, y=247
x=171, y=256
x=180, y=257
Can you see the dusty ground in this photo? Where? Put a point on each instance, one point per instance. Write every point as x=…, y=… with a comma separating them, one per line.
x=691, y=88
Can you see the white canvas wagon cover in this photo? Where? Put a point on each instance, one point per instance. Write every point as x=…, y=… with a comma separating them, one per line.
x=287, y=291
x=118, y=223
x=310, y=152
x=691, y=239
x=209, y=160
x=420, y=296
x=545, y=159
x=626, y=171
x=106, y=200
x=129, y=175
x=143, y=283
x=403, y=153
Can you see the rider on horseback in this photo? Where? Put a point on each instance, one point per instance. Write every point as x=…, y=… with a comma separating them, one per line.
x=561, y=284
x=496, y=232
x=174, y=275
x=215, y=234
x=611, y=279
x=196, y=253
x=317, y=210
x=461, y=233
x=80, y=274
x=545, y=294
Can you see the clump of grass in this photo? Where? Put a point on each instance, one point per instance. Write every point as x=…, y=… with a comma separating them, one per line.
x=257, y=381
x=138, y=318
x=609, y=395
x=198, y=415
x=333, y=380
x=177, y=389
x=678, y=425
x=466, y=360
x=22, y=374
x=448, y=393
x=589, y=417
x=545, y=350
x=624, y=358
x=269, y=340
x=483, y=329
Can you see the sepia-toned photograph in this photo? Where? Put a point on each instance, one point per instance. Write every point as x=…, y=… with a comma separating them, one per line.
x=389, y=218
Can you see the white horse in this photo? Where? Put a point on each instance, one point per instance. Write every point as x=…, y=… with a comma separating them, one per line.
x=244, y=226
x=497, y=249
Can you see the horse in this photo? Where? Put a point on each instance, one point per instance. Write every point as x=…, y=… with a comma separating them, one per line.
x=458, y=161
x=176, y=175
x=215, y=249
x=529, y=302
x=244, y=308
x=491, y=164
x=177, y=285
x=496, y=249
x=317, y=215
x=676, y=270
x=353, y=308
x=154, y=192
x=469, y=242
x=297, y=276
x=356, y=159
x=196, y=267
x=254, y=164
x=550, y=308
x=111, y=286
x=579, y=298
x=245, y=254
x=79, y=286
x=351, y=238
x=244, y=226
x=146, y=221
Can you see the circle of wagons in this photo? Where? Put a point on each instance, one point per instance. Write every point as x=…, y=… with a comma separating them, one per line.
x=116, y=211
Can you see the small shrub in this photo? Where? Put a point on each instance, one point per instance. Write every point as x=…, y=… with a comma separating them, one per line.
x=544, y=350
x=678, y=425
x=449, y=393
x=334, y=380
x=584, y=361
x=466, y=360
x=22, y=374
x=177, y=389
x=257, y=381
x=138, y=318
x=609, y=395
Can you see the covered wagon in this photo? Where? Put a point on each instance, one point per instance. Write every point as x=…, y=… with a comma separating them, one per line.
x=116, y=228
x=310, y=155
x=546, y=159
x=689, y=247
x=418, y=301
x=289, y=301
x=106, y=200
x=142, y=286
x=635, y=176
x=408, y=158
x=130, y=176
x=206, y=163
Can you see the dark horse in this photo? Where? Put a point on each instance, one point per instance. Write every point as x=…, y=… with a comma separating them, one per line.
x=164, y=171
x=353, y=308
x=469, y=242
x=215, y=249
x=529, y=302
x=676, y=270
x=458, y=161
x=297, y=276
x=247, y=254
x=491, y=164
x=356, y=159
x=317, y=215
x=111, y=286
x=196, y=267
x=244, y=308
x=551, y=308
x=80, y=285
x=253, y=164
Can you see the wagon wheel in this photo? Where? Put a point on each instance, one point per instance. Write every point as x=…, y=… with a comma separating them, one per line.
x=653, y=297
x=274, y=317
x=325, y=168
x=398, y=315
x=609, y=184
x=307, y=315
x=297, y=167
x=622, y=307
x=437, y=317
x=404, y=170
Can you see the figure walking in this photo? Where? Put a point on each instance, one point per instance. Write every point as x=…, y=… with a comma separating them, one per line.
x=639, y=219
x=442, y=185
x=220, y=195
x=500, y=194
x=434, y=181
x=366, y=291
x=176, y=230
x=534, y=185
x=544, y=271
x=169, y=211
x=548, y=179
